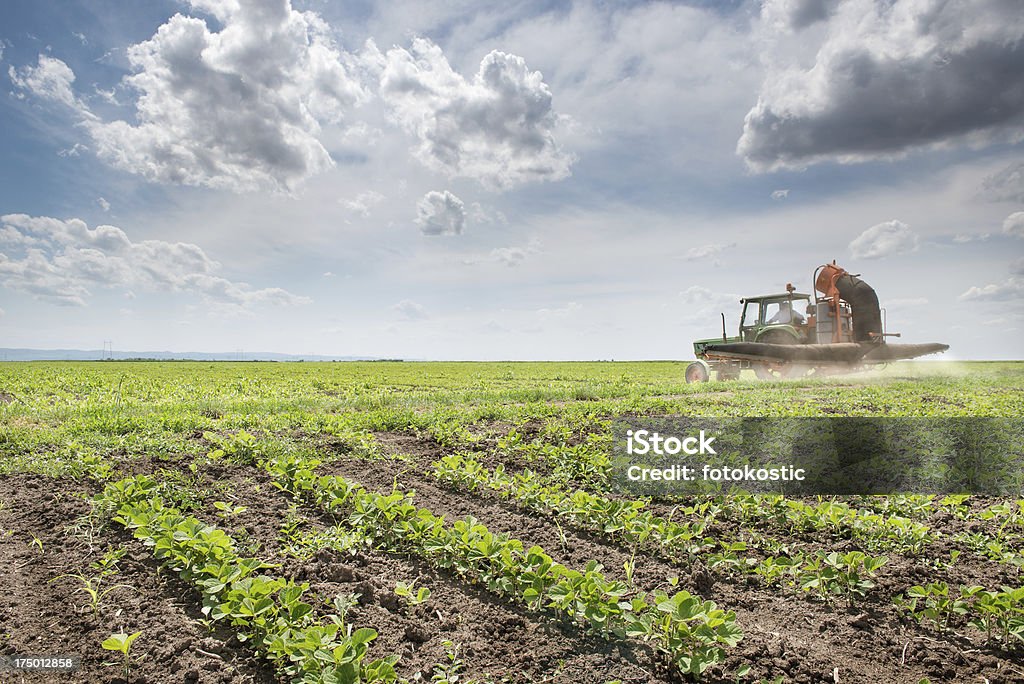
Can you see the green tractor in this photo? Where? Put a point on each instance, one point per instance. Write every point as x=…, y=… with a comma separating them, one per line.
x=843, y=331
x=771, y=319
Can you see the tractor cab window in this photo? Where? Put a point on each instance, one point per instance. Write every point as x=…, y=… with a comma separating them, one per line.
x=785, y=312
x=751, y=315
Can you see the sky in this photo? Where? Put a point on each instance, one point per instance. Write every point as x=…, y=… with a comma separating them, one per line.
x=516, y=180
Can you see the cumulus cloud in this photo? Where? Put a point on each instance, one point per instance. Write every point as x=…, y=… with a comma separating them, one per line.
x=498, y=128
x=889, y=238
x=1014, y=224
x=62, y=261
x=704, y=251
x=891, y=77
x=559, y=312
x=1010, y=289
x=780, y=194
x=411, y=310
x=698, y=295
x=49, y=79
x=240, y=108
x=507, y=256
x=440, y=213
x=363, y=202
x=1005, y=185
x=104, y=204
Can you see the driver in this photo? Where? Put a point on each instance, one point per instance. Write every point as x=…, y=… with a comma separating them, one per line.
x=785, y=314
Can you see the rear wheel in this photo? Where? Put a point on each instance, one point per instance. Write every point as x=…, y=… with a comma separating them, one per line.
x=728, y=371
x=779, y=370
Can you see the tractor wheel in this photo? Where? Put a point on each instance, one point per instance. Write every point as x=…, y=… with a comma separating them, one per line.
x=779, y=370
x=698, y=371
x=727, y=372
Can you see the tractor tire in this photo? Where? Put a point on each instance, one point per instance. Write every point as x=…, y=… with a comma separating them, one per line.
x=698, y=371
x=778, y=370
x=727, y=371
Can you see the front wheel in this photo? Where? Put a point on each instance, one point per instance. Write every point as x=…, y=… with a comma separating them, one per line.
x=698, y=371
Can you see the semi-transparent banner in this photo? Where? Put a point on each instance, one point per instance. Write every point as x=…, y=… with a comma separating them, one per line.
x=667, y=456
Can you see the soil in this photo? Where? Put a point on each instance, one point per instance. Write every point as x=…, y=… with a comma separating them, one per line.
x=43, y=614
x=786, y=633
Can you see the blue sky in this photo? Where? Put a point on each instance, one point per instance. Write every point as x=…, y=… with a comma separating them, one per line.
x=516, y=180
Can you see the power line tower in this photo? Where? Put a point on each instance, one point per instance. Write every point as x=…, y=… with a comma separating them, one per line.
x=108, y=349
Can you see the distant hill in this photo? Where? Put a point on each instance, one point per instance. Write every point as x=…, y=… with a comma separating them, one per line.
x=10, y=354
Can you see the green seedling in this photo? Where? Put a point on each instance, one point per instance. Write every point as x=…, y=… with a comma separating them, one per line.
x=108, y=564
x=448, y=671
x=122, y=643
x=92, y=587
x=37, y=543
x=406, y=592
x=847, y=575
x=226, y=510
x=932, y=602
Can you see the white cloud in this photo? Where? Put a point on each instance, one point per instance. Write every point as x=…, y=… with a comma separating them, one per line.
x=780, y=194
x=479, y=214
x=560, y=312
x=440, y=213
x=49, y=79
x=411, y=310
x=508, y=256
x=104, y=204
x=72, y=151
x=890, y=238
x=700, y=296
x=704, y=251
x=964, y=238
x=61, y=261
x=241, y=108
x=363, y=202
x=1014, y=224
x=498, y=128
x=1010, y=289
x=890, y=77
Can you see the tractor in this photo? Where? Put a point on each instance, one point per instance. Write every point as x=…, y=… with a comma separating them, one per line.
x=840, y=328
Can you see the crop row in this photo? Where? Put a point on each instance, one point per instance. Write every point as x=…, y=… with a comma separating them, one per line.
x=625, y=521
x=999, y=615
x=692, y=632
x=266, y=611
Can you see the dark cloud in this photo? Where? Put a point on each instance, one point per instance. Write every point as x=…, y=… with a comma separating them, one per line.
x=798, y=14
x=890, y=78
x=1005, y=185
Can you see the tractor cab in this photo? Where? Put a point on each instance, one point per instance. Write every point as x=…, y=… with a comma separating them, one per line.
x=782, y=317
x=775, y=319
